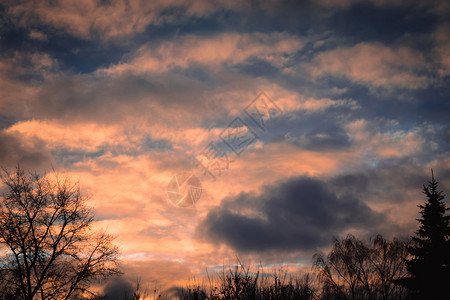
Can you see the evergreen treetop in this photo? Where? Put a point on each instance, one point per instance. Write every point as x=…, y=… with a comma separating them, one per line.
x=429, y=266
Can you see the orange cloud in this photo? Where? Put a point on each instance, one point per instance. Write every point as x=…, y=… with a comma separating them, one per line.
x=374, y=64
x=82, y=137
x=232, y=48
x=396, y=143
x=34, y=34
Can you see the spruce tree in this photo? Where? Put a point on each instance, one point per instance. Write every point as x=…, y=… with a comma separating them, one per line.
x=429, y=266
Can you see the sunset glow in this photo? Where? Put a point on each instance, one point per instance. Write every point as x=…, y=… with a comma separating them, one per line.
x=284, y=124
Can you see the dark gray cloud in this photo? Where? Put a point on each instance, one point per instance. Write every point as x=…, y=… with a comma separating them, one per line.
x=368, y=21
x=402, y=174
x=316, y=131
x=302, y=213
x=154, y=277
x=30, y=153
x=118, y=288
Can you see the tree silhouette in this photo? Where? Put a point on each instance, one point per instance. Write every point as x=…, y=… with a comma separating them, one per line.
x=429, y=266
x=47, y=247
x=356, y=270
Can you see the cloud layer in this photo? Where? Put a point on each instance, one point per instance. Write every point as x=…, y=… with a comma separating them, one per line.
x=299, y=214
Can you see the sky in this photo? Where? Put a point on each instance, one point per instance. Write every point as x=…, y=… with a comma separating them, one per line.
x=288, y=123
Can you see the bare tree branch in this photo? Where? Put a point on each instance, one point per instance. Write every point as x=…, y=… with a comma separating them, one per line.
x=45, y=229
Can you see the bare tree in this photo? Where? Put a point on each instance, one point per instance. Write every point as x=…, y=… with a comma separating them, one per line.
x=356, y=270
x=49, y=248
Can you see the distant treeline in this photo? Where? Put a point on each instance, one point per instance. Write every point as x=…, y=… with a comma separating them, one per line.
x=352, y=270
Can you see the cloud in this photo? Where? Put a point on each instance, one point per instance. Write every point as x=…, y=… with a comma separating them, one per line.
x=154, y=99
x=394, y=188
x=392, y=181
x=292, y=101
x=392, y=143
x=21, y=75
x=28, y=67
x=108, y=19
x=310, y=131
x=347, y=3
x=126, y=99
x=34, y=34
x=144, y=98
x=87, y=137
x=129, y=196
x=225, y=48
x=443, y=48
x=125, y=93
x=301, y=213
x=152, y=278
x=117, y=289
x=374, y=64
x=30, y=153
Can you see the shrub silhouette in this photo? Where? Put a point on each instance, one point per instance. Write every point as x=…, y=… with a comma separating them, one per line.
x=242, y=282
